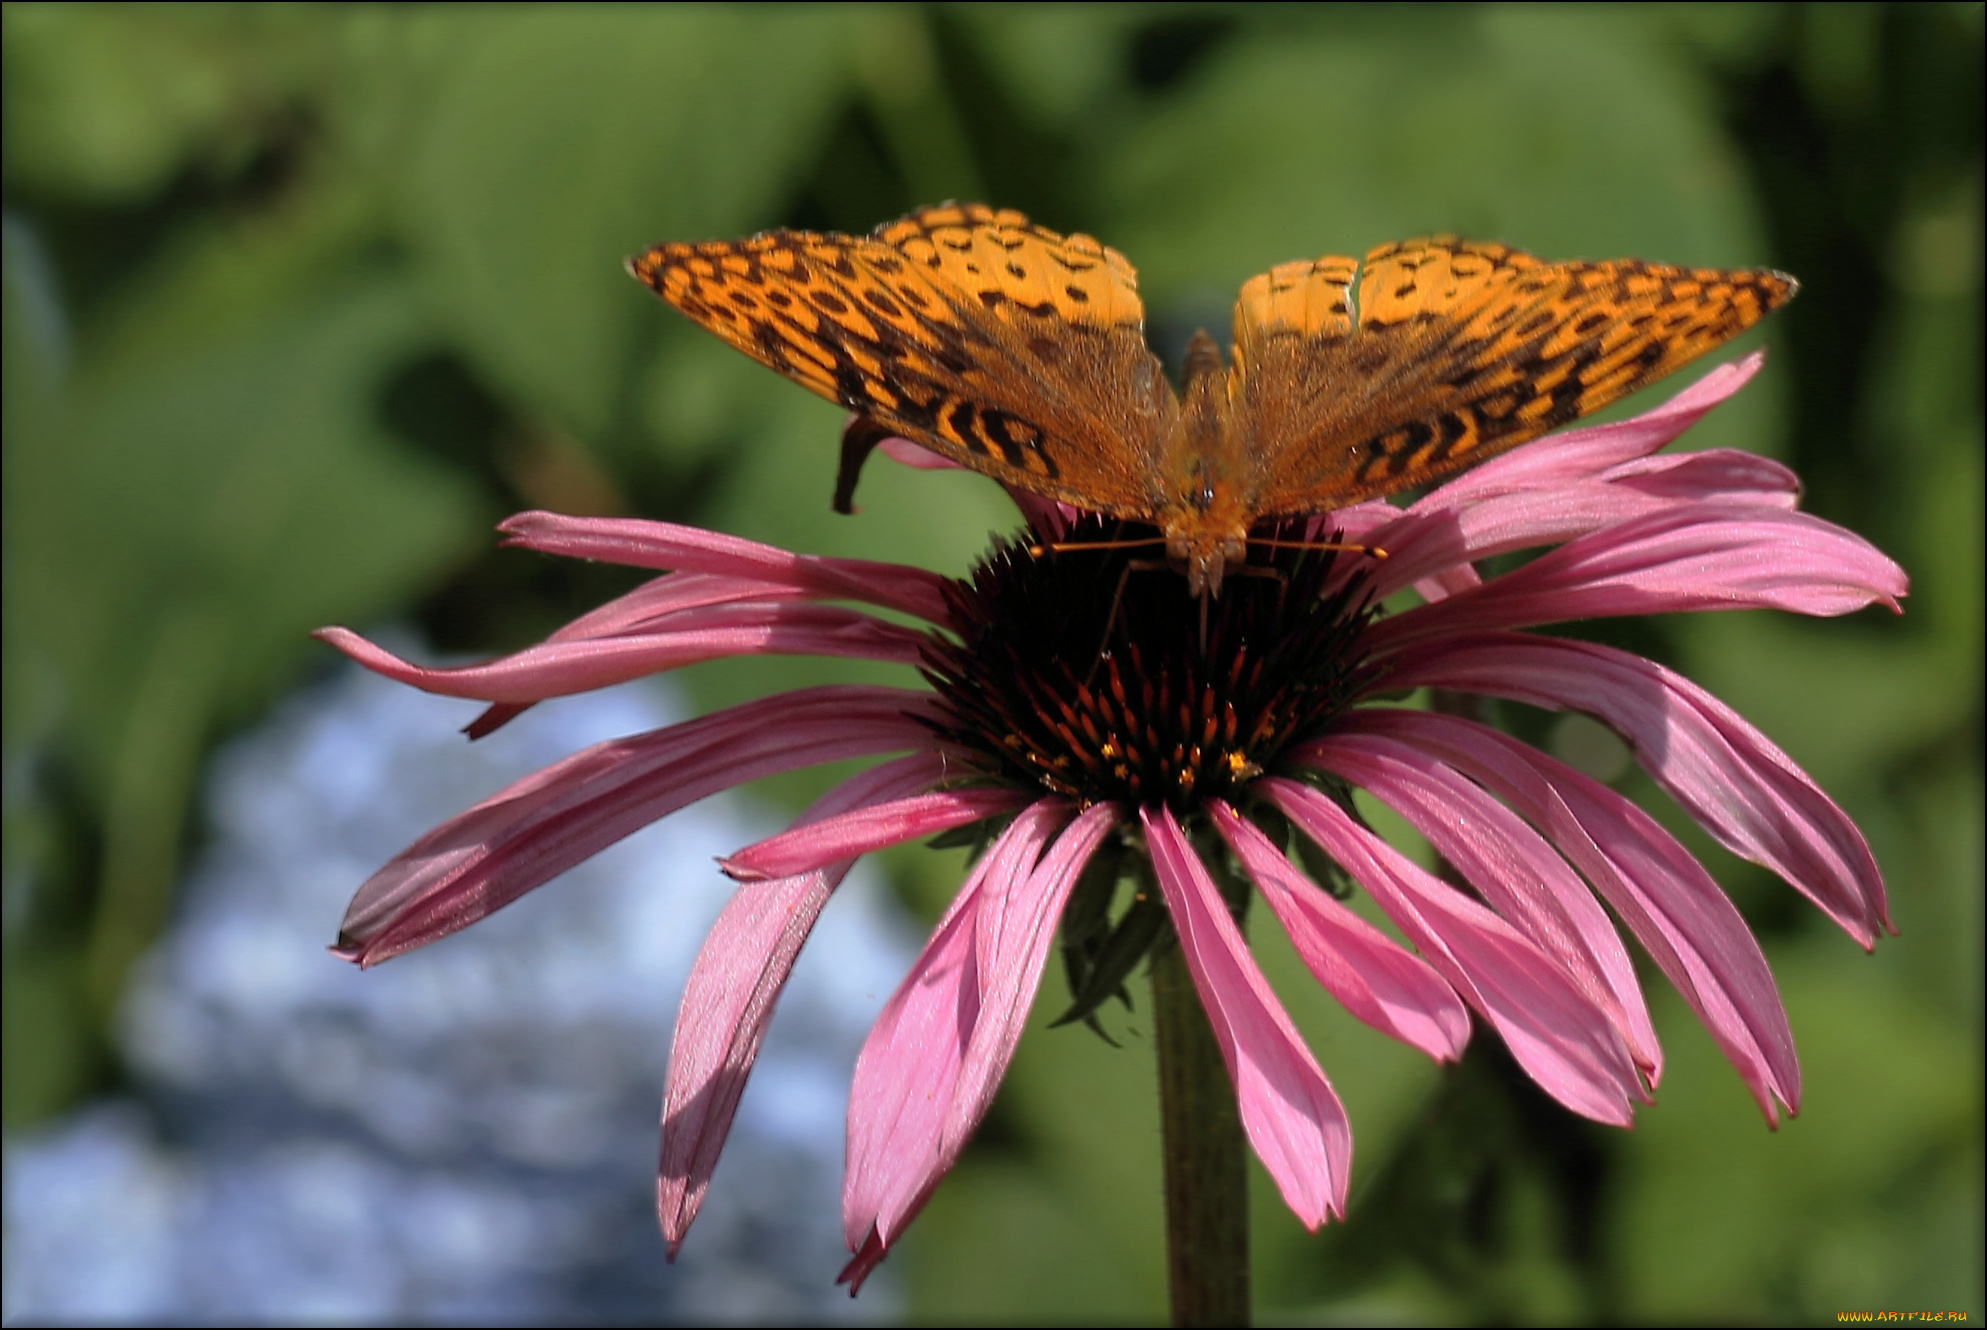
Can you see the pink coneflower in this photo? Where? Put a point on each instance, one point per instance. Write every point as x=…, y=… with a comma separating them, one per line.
x=1077, y=709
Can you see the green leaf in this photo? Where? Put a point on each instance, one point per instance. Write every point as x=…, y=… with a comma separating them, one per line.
x=1718, y=1218
x=107, y=103
x=559, y=141
x=214, y=486
x=1568, y=133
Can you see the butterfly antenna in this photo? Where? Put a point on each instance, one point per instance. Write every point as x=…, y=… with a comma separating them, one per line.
x=1372, y=551
x=1070, y=546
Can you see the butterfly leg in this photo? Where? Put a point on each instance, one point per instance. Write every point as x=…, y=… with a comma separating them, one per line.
x=859, y=438
x=1273, y=574
x=1118, y=605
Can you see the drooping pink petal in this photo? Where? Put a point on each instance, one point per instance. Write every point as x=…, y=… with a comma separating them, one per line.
x=648, y=606
x=1689, y=927
x=1440, y=586
x=665, y=545
x=1352, y=529
x=1715, y=475
x=1564, y=485
x=1511, y=866
x=1434, y=544
x=1426, y=545
x=1012, y=932
x=873, y=827
x=729, y=999
x=1579, y=454
x=1681, y=557
x=1429, y=544
x=1562, y=1040
x=559, y=669
x=1049, y=519
x=909, y=1068
x=1011, y=938
x=1739, y=787
x=911, y=1058
x=868, y=1255
x=485, y=858
x=672, y=593
x=1292, y=1116
x=1388, y=988
x=916, y=456
x=494, y=717
x=1352, y=524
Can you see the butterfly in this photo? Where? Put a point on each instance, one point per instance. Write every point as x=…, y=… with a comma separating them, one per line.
x=1021, y=353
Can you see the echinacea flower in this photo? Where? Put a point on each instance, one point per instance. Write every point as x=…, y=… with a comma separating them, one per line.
x=1080, y=703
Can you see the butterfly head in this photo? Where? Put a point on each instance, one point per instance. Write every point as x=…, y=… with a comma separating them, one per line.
x=1204, y=556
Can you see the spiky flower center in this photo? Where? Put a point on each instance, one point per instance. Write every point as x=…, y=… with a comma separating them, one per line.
x=1092, y=674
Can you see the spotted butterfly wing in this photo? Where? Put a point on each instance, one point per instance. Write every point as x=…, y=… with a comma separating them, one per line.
x=1354, y=380
x=1006, y=347
x=1020, y=353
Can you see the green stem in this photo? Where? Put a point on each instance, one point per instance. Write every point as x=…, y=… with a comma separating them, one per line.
x=1207, y=1181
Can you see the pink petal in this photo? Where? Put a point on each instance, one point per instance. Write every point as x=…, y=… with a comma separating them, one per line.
x=916, y=456
x=1388, y=988
x=914, y=1061
x=1352, y=529
x=647, y=606
x=672, y=593
x=1048, y=518
x=867, y=1257
x=1577, y=454
x=1568, y=483
x=1353, y=524
x=1748, y=794
x=1512, y=868
x=1561, y=1039
x=494, y=717
x=910, y=1062
x=729, y=999
x=483, y=859
x=1448, y=582
x=1292, y=1117
x=1423, y=544
x=1012, y=936
x=1665, y=897
x=665, y=545
x=1711, y=476
x=1427, y=545
x=1684, y=557
x=559, y=668
x=874, y=827
x=1012, y=932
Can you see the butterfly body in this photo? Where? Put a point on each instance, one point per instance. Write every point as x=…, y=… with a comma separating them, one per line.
x=1021, y=353
x=1201, y=501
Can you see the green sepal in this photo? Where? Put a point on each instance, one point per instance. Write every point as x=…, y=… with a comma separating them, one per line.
x=1111, y=964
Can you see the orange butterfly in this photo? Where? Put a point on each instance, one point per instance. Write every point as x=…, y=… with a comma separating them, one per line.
x=1021, y=353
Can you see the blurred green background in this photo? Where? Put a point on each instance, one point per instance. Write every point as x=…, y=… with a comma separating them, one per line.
x=300, y=299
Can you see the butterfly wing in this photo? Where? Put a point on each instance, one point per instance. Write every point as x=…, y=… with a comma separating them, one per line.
x=999, y=344
x=1356, y=380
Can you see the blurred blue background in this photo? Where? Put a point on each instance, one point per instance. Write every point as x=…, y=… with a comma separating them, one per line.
x=299, y=300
